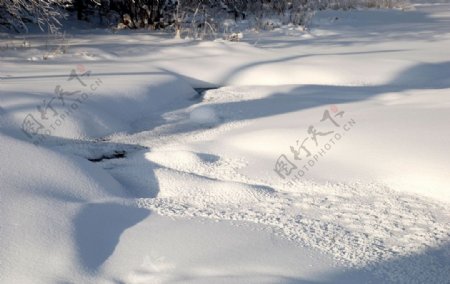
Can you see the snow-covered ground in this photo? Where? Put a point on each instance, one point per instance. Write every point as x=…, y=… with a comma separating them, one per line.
x=289, y=157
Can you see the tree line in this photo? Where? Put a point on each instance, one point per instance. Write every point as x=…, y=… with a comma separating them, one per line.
x=175, y=15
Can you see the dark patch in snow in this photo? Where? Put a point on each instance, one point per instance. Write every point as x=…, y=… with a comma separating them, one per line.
x=201, y=93
x=118, y=154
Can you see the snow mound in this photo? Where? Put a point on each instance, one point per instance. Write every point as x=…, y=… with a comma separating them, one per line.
x=94, y=107
x=202, y=190
x=192, y=176
x=55, y=204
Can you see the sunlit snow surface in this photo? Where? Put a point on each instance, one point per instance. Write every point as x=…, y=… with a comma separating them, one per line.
x=141, y=179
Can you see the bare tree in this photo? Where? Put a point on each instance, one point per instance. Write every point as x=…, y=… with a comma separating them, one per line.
x=44, y=13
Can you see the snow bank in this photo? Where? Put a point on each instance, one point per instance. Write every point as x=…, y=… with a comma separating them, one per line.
x=397, y=138
x=87, y=105
x=41, y=205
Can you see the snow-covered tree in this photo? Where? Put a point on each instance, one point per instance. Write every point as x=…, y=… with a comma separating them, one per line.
x=45, y=13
